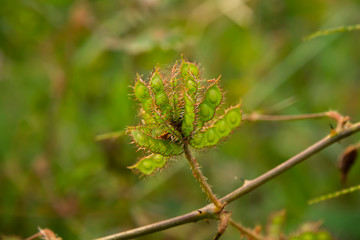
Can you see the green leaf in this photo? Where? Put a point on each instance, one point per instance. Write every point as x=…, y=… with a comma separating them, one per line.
x=321, y=235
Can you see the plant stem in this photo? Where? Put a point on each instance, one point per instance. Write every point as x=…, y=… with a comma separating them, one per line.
x=245, y=231
x=259, y=117
x=208, y=210
x=201, y=178
x=155, y=227
x=250, y=185
x=111, y=135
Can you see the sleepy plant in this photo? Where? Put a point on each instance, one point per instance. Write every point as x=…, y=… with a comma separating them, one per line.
x=177, y=108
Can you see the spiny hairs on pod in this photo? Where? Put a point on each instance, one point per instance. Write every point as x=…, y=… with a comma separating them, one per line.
x=179, y=107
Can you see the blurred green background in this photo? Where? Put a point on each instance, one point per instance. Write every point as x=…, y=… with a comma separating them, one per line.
x=65, y=71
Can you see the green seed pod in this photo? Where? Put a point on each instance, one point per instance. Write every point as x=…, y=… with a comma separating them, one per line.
x=141, y=91
x=213, y=95
x=187, y=125
x=157, y=131
x=147, y=118
x=198, y=140
x=191, y=87
x=142, y=94
x=222, y=129
x=189, y=70
x=176, y=107
x=156, y=82
x=219, y=130
x=211, y=136
x=155, y=145
x=206, y=113
x=207, y=108
x=233, y=117
x=161, y=100
x=149, y=164
x=166, y=126
x=159, y=160
x=144, y=165
x=148, y=105
x=175, y=110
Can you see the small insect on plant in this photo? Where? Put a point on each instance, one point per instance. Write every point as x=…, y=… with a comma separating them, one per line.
x=179, y=108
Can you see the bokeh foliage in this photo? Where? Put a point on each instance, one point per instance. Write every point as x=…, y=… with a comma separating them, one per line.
x=65, y=71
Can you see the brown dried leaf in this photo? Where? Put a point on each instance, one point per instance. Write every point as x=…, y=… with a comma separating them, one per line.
x=346, y=161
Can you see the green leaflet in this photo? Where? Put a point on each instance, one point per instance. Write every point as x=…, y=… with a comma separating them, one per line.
x=155, y=145
x=219, y=130
x=149, y=164
x=334, y=194
x=275, y=224
x=321, y=235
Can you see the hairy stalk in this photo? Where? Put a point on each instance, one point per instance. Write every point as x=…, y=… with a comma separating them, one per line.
x=208, y=210
x=245, y=231
x=201, y=178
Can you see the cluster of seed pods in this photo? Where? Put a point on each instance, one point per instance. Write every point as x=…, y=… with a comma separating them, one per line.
x=178, y=107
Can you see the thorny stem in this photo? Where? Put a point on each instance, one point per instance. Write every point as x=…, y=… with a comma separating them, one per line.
x=245, y=231
x=201, y=178
x=44, y=234
x=250, y=185
x=259, y=117
x=155, y=227
x=208, y=210
x=224, y=218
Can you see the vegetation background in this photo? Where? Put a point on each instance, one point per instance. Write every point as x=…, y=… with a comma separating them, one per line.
x=65, y=71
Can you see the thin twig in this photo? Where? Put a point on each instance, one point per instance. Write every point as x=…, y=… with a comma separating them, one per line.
x=193, y=216
x=259, y=117
x=224, y=218
x=201, y=178
x=208, y=211
x=111, y=135
x=245, y=231
x=250, y=185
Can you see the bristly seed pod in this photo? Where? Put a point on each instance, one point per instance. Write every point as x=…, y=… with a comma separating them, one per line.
x=179, y=107
x=149, y=164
